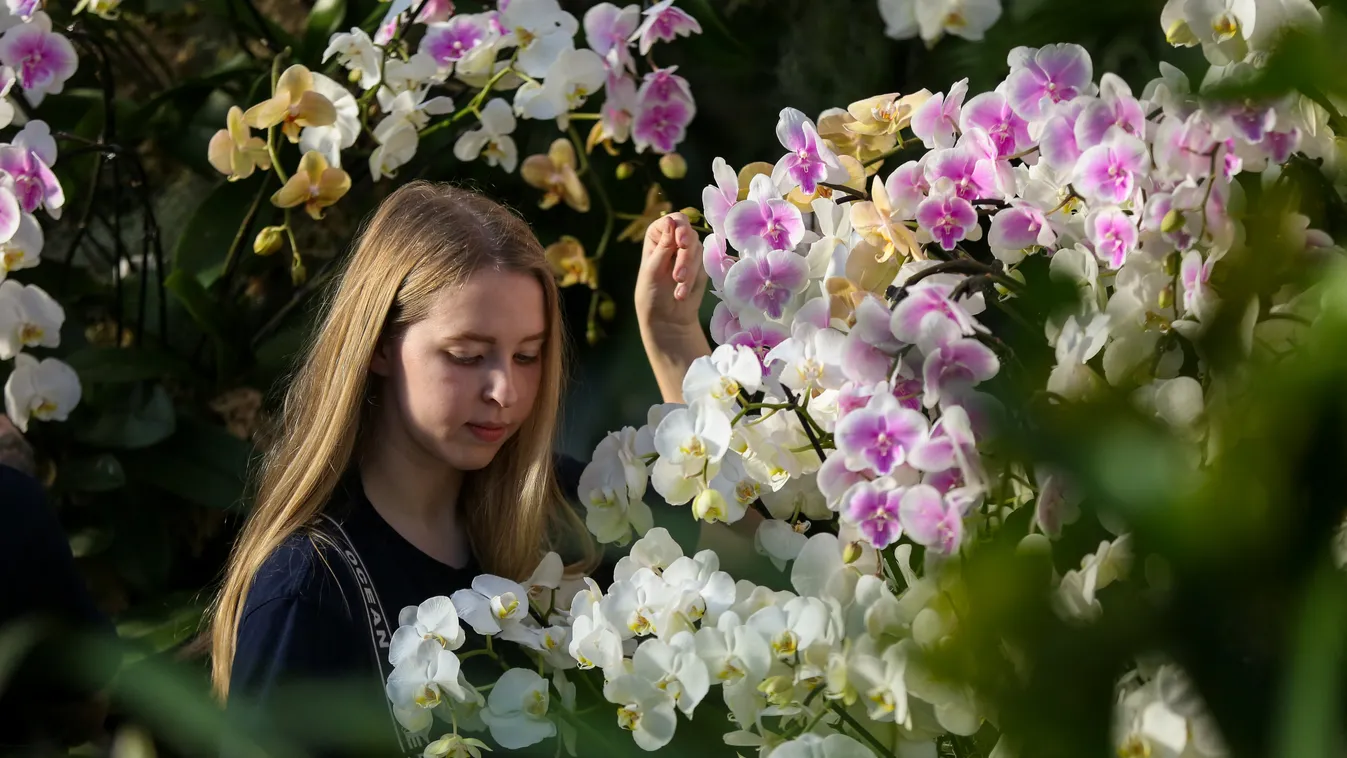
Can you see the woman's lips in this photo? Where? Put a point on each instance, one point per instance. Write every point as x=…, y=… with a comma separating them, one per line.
x=488, y=432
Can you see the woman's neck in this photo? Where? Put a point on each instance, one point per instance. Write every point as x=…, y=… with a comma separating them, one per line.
x=416, y=493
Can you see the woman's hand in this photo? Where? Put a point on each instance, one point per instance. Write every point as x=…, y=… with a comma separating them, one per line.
x=669, y=291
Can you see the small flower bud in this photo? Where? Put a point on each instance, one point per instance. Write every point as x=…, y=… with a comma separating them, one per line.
x=694, y=215
x=1166, y=298
x=607, y=309
x=777, y=689
x=673, y=165
x=1172, y=262
x=1172, y=222
x=269, y=240
x=298, y=273
x=710, y=506
x=625, y=169
x=851, y=553
x=593, y=334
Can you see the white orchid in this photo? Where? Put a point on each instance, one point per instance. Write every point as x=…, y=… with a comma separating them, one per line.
x=643, y=709
x=516, y=710
x=426, y=676
x=29, y=317
x=675, y=668
x=24, y=249
x=435, y=619
x=496, y=606
x=722, y=375
x=690, y=442
x=47, y=390
x=356, y=53
x=542, y=30
x=492, y=138
x=573, y=78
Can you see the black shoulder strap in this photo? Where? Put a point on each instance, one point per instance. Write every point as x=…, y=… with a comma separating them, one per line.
x=380, y=632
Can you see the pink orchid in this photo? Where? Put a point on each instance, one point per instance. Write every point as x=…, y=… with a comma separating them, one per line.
x=664, y=86
x=34, y=183
x=1181, y=236
x=937, y=119
x=719, y=198
x=1108, y=172
x=875, y=511
x=660, y=126
x=767, y=281
x=42, y=59
x=956, y=364
x=760, y=338
x=1115, y=109
x=1057, y=145
x=973, y=177
x=1113, y=235
x=663, y=22
x=1018, y=228
x=809, y=160
x=878, y=437
x=931, y=519
x=921, y=313
x=715, y=260
x=615, y=116
x=907, y=186
x=1042, y=77
x=450, y=41
x=948, y=219
x=991, y=113
x=607, y=30
x=764, y=221
x=1195, y=275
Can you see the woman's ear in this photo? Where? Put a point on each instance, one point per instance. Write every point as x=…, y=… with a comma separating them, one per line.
x=382, y=360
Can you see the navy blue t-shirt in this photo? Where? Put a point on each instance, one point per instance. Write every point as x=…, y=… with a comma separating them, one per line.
x=304, y=657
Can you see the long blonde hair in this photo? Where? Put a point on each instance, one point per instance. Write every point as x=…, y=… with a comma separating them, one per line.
x=423, y=237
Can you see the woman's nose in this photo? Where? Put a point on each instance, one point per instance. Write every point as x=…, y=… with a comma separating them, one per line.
x=500, y=386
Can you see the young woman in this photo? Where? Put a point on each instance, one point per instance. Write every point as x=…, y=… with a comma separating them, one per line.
x=415, y=445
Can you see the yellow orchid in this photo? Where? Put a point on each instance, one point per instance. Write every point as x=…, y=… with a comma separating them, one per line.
x=569, y=263
x=885, y=114
x=294, y=105
x=235, y=152
x=655, y=207
x=874, y=219
x=865, y=274
x=834, y=128
x=554, y=174
x=315, y=185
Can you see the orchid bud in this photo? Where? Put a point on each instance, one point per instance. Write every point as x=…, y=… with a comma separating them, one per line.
x=592, y=334
x=607, y=308
x=694, y=215
x=777, y=689
x=268, y=240
x=1166, y=298
x=1172, y=222
x=710, y=506
x=298, y=274
x=1172, y=262
x=625, y=169
x=673, y=165
x=851, y=553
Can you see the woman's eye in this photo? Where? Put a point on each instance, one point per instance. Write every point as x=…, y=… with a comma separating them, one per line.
x=465, y=360
x=525, y=359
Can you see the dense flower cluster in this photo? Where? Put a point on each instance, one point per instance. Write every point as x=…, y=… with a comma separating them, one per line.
x=38, y=61
x=848, y=401
x=529, y=47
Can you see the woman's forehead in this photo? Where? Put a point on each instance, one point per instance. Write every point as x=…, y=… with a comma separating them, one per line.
x=503, y=305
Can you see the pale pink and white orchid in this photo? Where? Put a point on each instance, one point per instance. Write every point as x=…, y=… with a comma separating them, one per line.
x=41, y=59
x=664, y=23
x=808, y=161
x=608, y=29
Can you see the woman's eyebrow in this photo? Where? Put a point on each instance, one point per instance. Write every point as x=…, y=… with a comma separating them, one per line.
x=490, y=340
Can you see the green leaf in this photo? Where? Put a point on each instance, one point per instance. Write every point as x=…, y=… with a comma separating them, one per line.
x=98, y=473
x=127, y=364
x=205, y=241
x=325, y=18
x=202, y=463
x=136, y=422
x=204, y=311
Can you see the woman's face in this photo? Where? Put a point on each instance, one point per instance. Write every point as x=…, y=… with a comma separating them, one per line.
x=460, y=382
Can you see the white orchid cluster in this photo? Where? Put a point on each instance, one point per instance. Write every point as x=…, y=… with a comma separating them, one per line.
x=1228, y=30
x=833, y=665
x=525, y=46
x=39, y=61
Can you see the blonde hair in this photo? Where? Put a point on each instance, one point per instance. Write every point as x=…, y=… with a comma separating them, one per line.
x=422, y=238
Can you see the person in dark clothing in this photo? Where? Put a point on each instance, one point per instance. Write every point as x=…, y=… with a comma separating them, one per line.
x=415, y=452
x=43, y=600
